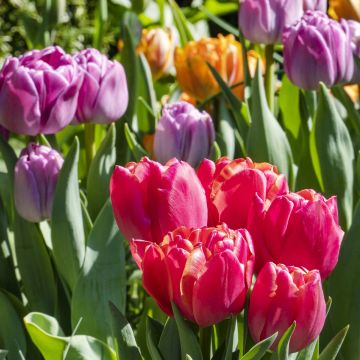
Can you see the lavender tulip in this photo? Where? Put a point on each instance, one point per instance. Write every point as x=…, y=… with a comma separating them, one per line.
x=35, y=178
x=38, y=91
x=185, y=133
x=103, y=95
x=320, y=5
x=263, y=21
x=318, y=49
x=355, y=45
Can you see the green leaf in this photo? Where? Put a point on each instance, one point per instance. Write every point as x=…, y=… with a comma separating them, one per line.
x=333, y=347
x=100, y=172
x=34, y=266
x=67, y=230
x=332, y=154
x=49, y=338
x=3, y=354
x=309, y=352
x=153, y=334
x=12, y=334
x=266, y=139
x=169, y=343
x=102, y=278
x=126, y=346
x=259, y=349
x=188, y=339
x=282, y=350
x=136, y=149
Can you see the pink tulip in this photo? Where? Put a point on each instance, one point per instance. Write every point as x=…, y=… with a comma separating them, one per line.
x=298, y=229
x=231, y=187
x=282, y=295
x=206, y=272
x=150, y=199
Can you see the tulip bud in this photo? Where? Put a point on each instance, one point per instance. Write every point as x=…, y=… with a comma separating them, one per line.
x=263, y=21
x=318, y=49
x=188, y=264
x=35, y=179
x=192, y=71
x=103, y=96
x=231, y=186
x=282, y=295
x=185, y=133
x=149, y=199
x=158, y=46
x=38, y=91
x=320, y=5
x=300, y=229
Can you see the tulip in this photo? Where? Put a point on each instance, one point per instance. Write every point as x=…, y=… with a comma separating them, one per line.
x=189, y=264
x=318, y=49
x=150, y=200
x=345, y=9
x=103, y=96
x=282, y=295
x=193, y=73
x=320, y=5
x=158, y=46
x=185, y=133
x=354, y=27
x=4, y=133
x=35, y=178
x=39, y=91
x=263, y=21
x=300, y=229
x=231, y=186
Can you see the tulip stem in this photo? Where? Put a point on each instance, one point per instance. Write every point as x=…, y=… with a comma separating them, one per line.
x=89, y=143
x=205, y=342
x=269, y=75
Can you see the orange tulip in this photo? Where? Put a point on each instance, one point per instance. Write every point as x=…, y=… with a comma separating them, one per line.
x=346, y=9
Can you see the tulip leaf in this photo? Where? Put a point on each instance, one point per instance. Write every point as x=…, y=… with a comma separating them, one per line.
x=333, y=347
x=49, y=338
x=12, y=334
x=282, y=350
x=136, y=149
x=100, y=172
x=309, y=352
x=67, y=230
x=266, y=139
x=258, y=350
x=188, y=339
x=332, y=154
x=125, y=342
x=102, y=278
x=153, y=334
x=3, y=354
x=169, y=343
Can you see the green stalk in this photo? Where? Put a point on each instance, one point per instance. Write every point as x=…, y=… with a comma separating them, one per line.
x=89, y=143
x=205, y=342
x=269, y=76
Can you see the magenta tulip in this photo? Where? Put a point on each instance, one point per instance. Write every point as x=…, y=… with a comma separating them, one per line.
x=103, y=96
x=39, y=91
x=231, y=187
x=150, y=199
x=35, y=178
x=205, y=272
x=299, y=229
x=282, y=295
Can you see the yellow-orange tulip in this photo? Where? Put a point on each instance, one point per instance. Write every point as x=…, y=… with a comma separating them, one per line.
x=195, y=77
x=346, y=9
x=157, y=45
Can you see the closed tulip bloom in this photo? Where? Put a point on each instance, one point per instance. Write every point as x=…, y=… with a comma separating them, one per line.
x=223, y=53
x=150, y=199
x=298, y=229
x=35, y=178
x=263, y=21
x=320, y=5
x=231, y=187
x=158, y=46
x=103, y=96
x=38, y=91
x=185, y=133
x=354, y=27
x=345, y=9
x=282, y=295
x=318, y=49
x=189, y=264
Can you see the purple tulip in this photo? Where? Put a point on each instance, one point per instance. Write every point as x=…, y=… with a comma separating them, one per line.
x=185, y=133
x=35, y=178
x=320, y=5
x=263, y=21
x=103, y=95
x=4, y=133
x=318, y=49
x=38, y=91
x=355, y=45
